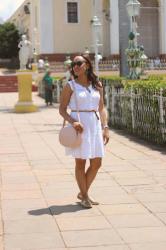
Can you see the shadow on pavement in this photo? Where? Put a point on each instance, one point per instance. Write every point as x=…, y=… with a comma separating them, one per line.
x=153, y=146
x=40, y=108
x=6, y=110
x=8, y=71
x=56, y=210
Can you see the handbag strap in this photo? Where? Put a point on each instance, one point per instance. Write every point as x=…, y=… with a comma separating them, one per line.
x=76, y=102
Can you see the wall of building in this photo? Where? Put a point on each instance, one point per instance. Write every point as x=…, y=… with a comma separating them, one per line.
x=21, y=19
x=114, y=27
x=105, y=19
x=49, y=32
x=124, y=29
x=162, y=22
x=148, y=27
x=46, y=26
x=72, y=37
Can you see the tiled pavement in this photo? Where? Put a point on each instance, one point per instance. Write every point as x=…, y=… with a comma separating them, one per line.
x=39, y=209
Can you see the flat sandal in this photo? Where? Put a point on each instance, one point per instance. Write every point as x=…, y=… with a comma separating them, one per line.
x=86, y=203
x=93, y=202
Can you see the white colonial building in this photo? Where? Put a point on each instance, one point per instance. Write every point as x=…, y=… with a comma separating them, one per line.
x=58, y=27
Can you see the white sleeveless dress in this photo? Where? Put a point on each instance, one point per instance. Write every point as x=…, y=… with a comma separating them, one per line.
x=92, y=140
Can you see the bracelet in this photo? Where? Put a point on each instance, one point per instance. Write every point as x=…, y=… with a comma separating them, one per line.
x=105, y=126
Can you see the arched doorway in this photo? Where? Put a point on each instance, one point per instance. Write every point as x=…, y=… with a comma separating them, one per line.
x=148, y=27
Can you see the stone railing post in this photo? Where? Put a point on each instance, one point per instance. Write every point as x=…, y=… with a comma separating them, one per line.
x=58, y=91
x=161, y=111
x=113, y=105
x=107, y=95
x=132, y=108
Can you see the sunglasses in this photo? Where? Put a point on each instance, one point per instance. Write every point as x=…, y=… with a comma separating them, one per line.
x=78, y=63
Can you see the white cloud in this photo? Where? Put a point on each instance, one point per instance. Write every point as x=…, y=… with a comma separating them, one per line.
x=8, y=7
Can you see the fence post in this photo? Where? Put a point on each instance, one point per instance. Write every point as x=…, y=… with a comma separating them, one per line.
x=41, y=88
x=132, y=108
x=107, y=95
x=58, y=91
x=161, y=110
x=113, y=105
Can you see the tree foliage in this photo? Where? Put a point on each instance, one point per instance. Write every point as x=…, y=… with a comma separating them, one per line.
x=9, y=38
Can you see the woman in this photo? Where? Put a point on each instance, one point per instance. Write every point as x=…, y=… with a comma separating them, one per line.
x=48, y=83
x=89, y=94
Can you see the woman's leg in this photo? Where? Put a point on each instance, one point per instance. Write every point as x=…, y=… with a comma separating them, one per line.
x=46, y=96
x=50, y=96
x=90, y=176
x=91, y=172
x=81, y=177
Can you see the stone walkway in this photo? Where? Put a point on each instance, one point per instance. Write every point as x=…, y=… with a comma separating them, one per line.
x=39, y=209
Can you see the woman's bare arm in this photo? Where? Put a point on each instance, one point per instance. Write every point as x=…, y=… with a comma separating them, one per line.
x=102, y=110
x=103, y=117
x=64, y=101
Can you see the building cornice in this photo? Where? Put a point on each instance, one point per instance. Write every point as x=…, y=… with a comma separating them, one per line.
x=18, y=11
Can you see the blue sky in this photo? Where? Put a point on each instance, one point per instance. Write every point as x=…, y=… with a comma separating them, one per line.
x=8, y=7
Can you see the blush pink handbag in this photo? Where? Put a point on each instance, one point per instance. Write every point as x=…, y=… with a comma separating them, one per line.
x=68, y=136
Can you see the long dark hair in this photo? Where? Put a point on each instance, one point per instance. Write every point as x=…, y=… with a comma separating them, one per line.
x=92, y=77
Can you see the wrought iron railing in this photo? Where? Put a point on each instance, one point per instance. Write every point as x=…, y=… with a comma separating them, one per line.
x=140, y=113
x=114, y=65
x=104, y=65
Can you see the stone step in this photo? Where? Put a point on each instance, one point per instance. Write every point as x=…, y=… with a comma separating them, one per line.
x=14, y=89
x=10, y=84
x=7, y=90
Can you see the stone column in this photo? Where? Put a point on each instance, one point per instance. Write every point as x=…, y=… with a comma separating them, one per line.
x=114, y=27
x=25, y=103
x=124, y=29
x=163, y=27
x=46, y=27
x=32, y=25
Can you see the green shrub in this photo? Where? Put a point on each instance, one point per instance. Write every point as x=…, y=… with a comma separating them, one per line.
x=149, y=85
x=56, y=77
x=146, y=84
x=156, y=77
x=9, y=38
x=115, y=81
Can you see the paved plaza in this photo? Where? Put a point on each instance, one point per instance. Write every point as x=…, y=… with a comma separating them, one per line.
x=39, y=208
